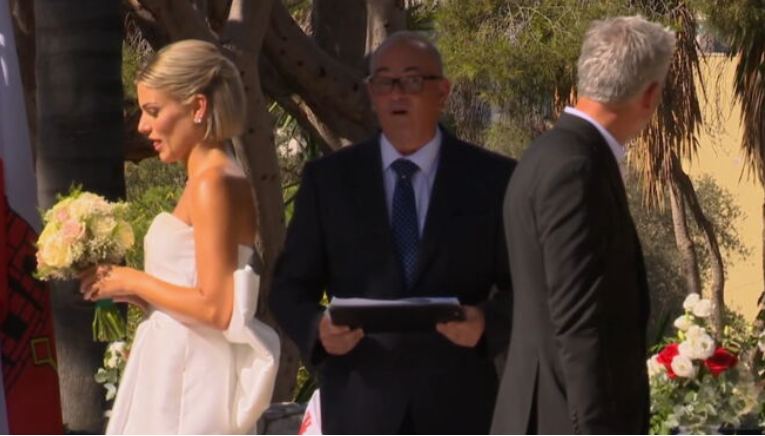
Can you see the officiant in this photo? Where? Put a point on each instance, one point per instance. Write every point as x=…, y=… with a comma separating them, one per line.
x=412, y=212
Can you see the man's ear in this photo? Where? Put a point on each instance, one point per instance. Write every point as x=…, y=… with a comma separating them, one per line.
x=651, y=96
x=371, y=97
x=444, y=89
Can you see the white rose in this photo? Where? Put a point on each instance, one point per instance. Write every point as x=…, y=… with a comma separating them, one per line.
x=125, y=235
x=84, y=206
x=683, y=323
x=111, y=391
x=654, y=367
x=683, y=367
x=703, y=308
x=694, y=331
x=103, y=227
x=690, y=301
x=112, y=361
x=699, y=347
x=117, y=347
x=56, y=253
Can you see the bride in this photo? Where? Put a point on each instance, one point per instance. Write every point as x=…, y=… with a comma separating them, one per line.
x=200, y=363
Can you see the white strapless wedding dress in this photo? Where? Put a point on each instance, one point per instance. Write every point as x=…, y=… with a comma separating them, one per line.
x=187, y=378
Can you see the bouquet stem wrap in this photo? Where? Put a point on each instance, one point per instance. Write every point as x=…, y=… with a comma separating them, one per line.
x=108, y=323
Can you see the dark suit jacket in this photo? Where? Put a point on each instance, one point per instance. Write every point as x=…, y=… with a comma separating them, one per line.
x=577, y=354
x=340, y=241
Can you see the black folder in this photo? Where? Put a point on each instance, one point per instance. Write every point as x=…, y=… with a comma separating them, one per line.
x=409, y=314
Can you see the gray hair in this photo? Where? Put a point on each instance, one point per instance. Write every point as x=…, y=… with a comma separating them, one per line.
x=621, y=57
x=410, y=37
x=187, y=68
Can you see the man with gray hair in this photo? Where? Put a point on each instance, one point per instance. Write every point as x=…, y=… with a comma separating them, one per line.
x=576, y=363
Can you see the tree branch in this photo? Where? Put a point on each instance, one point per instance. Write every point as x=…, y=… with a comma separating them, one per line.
x=180, y=19
x=317, y=77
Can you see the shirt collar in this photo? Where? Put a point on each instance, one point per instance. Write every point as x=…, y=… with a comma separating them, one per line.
x=616, y=148
x=425, y=157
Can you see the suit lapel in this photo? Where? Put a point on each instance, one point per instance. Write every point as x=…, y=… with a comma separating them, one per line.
x=443, y=200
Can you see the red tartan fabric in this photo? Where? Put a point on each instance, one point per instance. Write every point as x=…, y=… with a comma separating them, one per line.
x=30, y=378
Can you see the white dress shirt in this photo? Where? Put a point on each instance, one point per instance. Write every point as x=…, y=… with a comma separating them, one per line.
x=426, y=158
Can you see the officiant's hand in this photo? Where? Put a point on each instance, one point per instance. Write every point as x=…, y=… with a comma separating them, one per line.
x=338, y=339
x=465, y=333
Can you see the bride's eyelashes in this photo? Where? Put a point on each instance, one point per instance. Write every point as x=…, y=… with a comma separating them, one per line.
x=150, y=110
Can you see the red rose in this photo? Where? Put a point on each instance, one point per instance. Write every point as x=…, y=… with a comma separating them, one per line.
x=666, y=356
x=721, y=361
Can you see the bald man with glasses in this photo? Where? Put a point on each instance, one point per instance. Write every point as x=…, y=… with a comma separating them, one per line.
x=414, y=212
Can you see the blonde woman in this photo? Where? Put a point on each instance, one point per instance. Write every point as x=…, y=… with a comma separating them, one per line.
x=200, y=363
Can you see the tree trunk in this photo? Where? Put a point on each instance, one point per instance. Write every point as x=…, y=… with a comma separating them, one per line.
x=718, y=268
x=384, y=17
x=80, y=127
x=761, y=301
x=339, y=28
x=256, y=147
x=683, y=239
x=327, y=89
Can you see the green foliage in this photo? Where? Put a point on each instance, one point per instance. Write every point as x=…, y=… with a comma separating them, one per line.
x=304, y=387
x=131, y=63
x=724, y=214
x=733, y=20
x=508, y=137
x=665, y=273
x=522, y=51
x=421, y=16
x=152, y=187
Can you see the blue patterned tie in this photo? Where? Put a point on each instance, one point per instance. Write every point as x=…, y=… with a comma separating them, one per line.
x=406, y=230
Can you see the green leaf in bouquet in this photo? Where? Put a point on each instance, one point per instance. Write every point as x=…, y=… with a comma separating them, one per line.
x=101, y=376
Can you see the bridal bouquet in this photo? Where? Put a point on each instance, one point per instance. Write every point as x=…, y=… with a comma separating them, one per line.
x=83, y=230
x=699, y=385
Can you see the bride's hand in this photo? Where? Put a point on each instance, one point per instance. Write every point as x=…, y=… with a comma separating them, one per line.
x=106, y=281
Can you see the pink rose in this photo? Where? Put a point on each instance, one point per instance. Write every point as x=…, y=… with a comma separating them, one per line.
x=72, y=230
x=62, y=214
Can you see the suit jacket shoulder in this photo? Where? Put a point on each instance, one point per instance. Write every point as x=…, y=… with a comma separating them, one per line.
x=476, y=162
x=581, y=140
x=345, y=157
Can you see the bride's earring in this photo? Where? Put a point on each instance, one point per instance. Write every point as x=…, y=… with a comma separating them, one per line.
x=197, y=120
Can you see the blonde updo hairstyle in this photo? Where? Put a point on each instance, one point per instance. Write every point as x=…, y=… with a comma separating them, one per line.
x=190, y=67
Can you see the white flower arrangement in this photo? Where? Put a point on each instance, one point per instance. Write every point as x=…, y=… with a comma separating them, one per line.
x=699, y=385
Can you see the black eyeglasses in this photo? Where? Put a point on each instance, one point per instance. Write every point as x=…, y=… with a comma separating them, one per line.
x=407, y=84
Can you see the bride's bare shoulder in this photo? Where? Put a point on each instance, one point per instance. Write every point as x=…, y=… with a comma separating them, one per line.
x=224, y=195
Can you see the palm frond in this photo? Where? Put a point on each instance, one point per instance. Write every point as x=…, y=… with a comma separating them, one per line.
x=677, y=122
